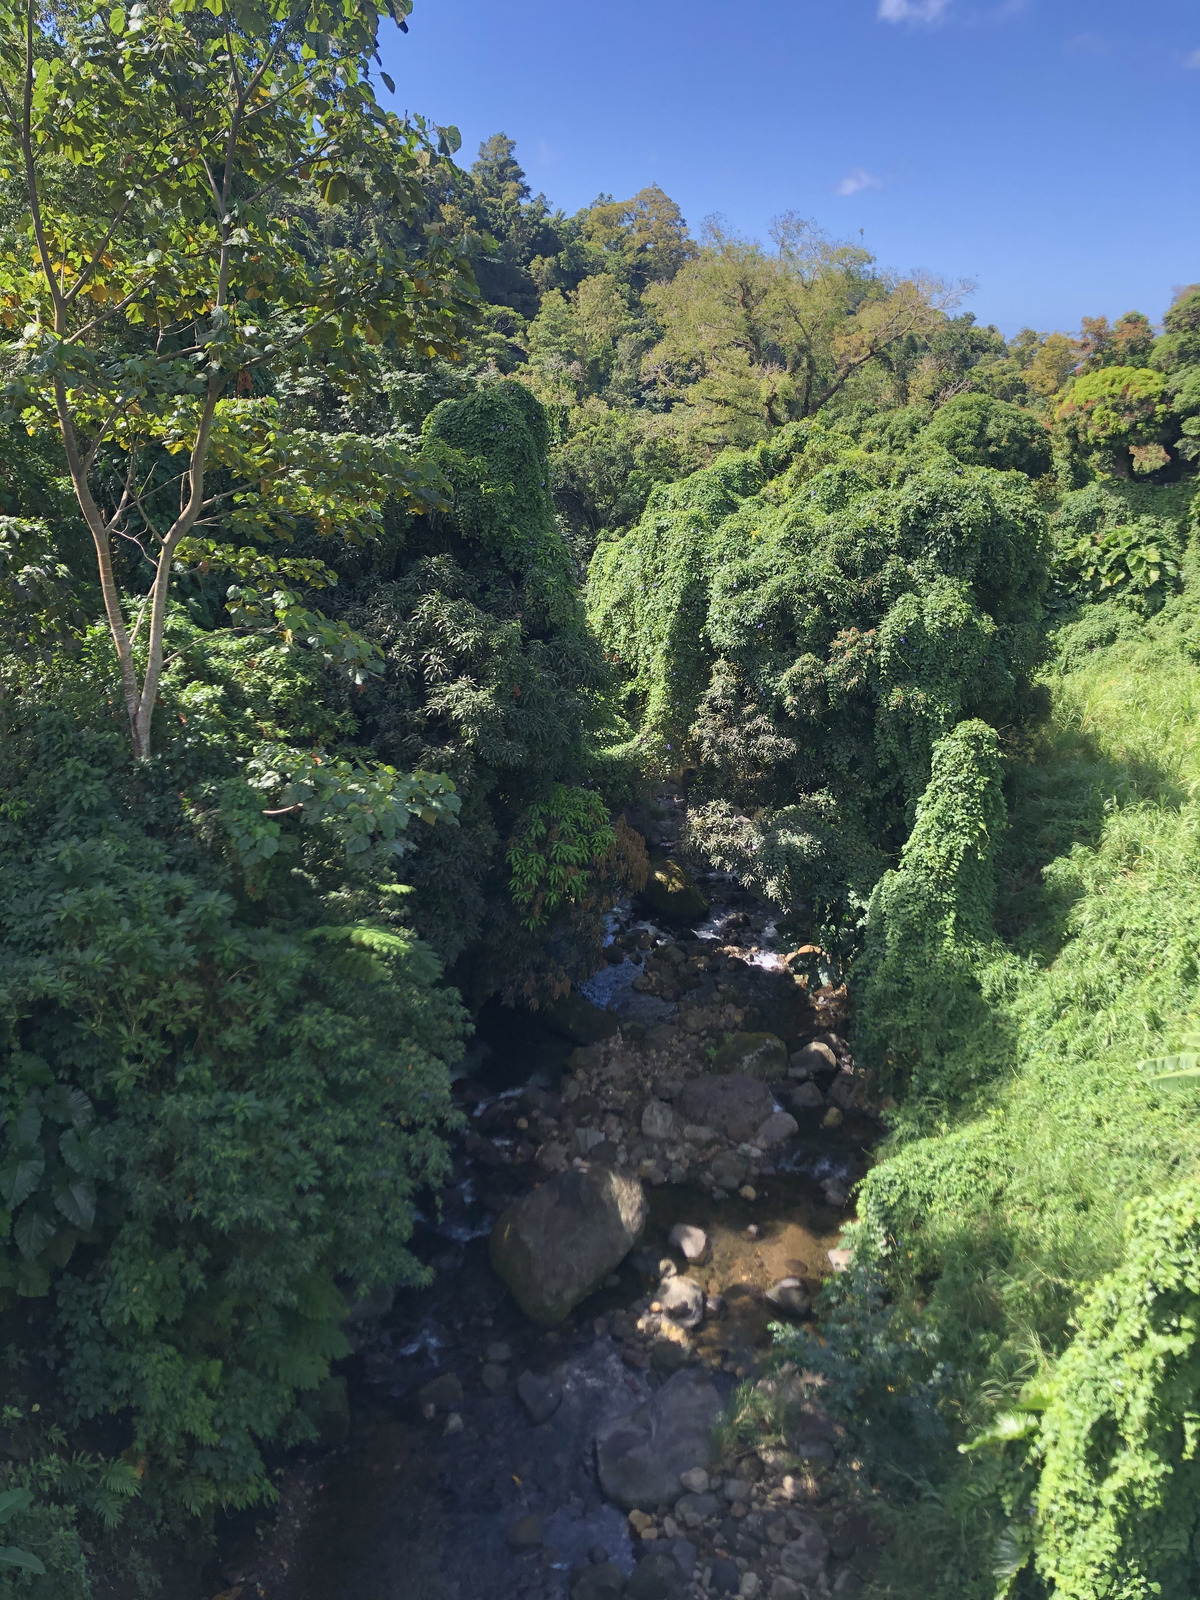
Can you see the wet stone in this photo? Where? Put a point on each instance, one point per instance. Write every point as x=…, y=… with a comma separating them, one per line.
x=726, y=1577
x=658, y=1577
x=442, y=1392
x=525, y=1534
x=603, y=1582
x=540, y=1396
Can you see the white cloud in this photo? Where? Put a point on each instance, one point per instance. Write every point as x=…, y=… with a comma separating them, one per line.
x=856, y=179
x=1192, y=59
x=911, y=10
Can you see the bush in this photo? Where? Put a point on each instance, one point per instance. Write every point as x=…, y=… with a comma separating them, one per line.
x=982, y=432
x=215, y=1120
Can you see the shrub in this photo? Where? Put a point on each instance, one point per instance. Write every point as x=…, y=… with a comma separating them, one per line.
x=982, y=432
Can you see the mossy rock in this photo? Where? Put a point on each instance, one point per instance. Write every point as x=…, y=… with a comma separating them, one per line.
x=753, y=1055
x=574, y=1017
x=671, y=893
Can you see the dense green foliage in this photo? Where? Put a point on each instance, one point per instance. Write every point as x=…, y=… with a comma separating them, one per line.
x=809, y=618
x=370, y=535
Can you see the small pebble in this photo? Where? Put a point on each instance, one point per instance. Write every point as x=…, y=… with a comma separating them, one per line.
x=454, y=1423
x=748, y=1192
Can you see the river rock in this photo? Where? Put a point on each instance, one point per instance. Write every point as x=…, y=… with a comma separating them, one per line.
x=843, y=1091
x=695, y=1480
x=540, y=1396
x=729, y=1170
x=690, y=1241
x=443, y=1392
x=726, y=1576
x=603, y=1582
x=760, y=1055
x=658, y=1120
x=640, y=1456
x=786, y=1589
x=553, y=1247
x=657, y=1577
x=777, y=1129
x=574, y=1017
x=734, y=1105
x=807, y=1098
x=525, y=1534
x=682, y=1299
x=790, y=1296
x=671, y=893
x=815, y=1057
x=803, y=1558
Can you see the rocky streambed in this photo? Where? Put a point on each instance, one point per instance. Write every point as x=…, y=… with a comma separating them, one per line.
x=667, y=1157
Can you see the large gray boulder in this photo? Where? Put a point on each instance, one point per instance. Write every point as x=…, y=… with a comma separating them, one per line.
x=640, y=1456
x=554, y=1246
x=735, y=1106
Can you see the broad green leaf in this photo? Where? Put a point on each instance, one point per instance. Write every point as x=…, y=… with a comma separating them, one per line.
x=19, y=1178
x=33, y=1231
x=77, y=1201
x=14, y=1500
x=10, y=1556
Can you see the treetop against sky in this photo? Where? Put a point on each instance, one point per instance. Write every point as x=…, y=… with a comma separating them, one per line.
x=1036, y=148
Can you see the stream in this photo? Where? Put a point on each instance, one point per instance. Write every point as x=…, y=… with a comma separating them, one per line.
x=434, y=1481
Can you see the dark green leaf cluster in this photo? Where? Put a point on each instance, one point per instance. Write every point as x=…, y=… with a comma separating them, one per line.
x=812, y=617
x=215, y=1122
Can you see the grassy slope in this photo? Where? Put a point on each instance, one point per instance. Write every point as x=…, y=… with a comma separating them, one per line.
x=998, y=1221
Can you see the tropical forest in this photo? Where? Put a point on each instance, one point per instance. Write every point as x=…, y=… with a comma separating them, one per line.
x=599, y=872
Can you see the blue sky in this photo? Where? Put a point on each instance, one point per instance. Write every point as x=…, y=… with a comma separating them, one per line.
x=1045, y=149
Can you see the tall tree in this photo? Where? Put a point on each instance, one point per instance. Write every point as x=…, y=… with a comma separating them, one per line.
x=755, y=337
x=165, y=293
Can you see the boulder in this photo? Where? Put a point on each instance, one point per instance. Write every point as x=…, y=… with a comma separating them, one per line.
x=760, y=1055
x=641, y=1456
x=553, y=1247
x=690, y=1241
x=671, y=893
x=815, y=1057
x=808, y=1098
x=777, y=1129
x=735, y=1106
x=574, y=1017
x=790, y=1296
x=729, y=1170
x=803, y=1558
x=844, y=1091
x=658, y=1120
